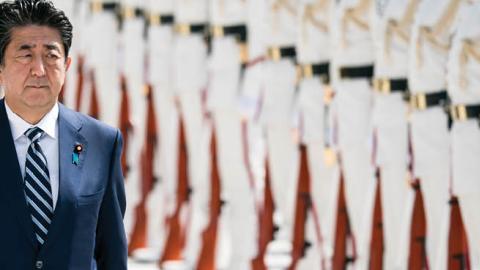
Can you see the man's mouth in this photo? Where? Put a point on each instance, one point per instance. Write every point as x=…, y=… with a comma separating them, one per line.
x=37, y=86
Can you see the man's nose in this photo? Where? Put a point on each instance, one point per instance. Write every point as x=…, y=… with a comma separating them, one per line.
x=38, y=67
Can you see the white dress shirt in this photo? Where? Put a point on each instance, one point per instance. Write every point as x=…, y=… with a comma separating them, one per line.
x=48, y=142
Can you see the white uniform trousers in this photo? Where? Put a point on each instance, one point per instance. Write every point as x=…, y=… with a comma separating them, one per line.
x=239, y=210
x=390, y=124
x=162, y=200
x=282, y=149
x=431, y=151
x=353, y=103
x=466, y=184
x=189, y=79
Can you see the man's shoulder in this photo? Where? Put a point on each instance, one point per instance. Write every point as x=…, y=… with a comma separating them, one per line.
x=87, y=124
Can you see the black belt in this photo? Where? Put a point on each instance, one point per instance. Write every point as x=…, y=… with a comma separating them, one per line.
x=277, y=53
x=422, y=101
x=321, y=70
x=239, y=31
x=186, y=29
x=465, y=112
x=387, y=86
x=160, y=19
x=360, y=72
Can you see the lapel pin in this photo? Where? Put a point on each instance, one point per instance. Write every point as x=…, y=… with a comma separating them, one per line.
x=76, y=154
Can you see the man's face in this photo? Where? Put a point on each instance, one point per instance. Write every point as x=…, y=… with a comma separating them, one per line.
x=34, y=68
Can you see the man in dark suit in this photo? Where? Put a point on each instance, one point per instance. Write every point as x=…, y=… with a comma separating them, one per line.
x=62, y=197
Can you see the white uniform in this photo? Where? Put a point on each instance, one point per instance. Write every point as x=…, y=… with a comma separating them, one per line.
x=429, y=130
x=277, y=116
x=313, y=48
x=252, y=90
x=390, y=125
x=189, y=80
x=132, y=50
x=353, y=48
x=464, y=89
x=223, y=102
x=73, y=10
x=102, y=58
x=162, y=199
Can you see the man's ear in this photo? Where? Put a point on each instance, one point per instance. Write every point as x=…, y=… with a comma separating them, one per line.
x=67, y=63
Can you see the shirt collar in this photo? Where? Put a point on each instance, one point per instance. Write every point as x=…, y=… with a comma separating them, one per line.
x=19, y=126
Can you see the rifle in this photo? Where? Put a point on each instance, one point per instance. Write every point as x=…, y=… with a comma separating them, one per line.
x=343, y=231
x=417, y=257
x=303, y=203
x=376, y=243
x=209, y=236
x=176, y=236
x=93, y=110
x=139, y=232
x=80, y=82
x=457, y=239
x=125, y=124
x=267, y=228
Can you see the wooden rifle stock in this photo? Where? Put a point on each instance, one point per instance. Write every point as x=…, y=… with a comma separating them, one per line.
x=176, y=235
x=377, y=244
x=139, y=233
x=458, y=258
x=417, y=258
x=342, y=230
x=267, y=228
x=302, y=205
x=93, y=110
x=210, y=235
x=80, y=82
x=125, y=122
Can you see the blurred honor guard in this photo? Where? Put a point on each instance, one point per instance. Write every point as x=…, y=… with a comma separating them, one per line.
x=353, y=69
x=131, y=53
x=103, y=58
x=429, y=46
x=161, y=201
x=72, y=10
x=313, y=54
x=392, y=35
x=189, y=82
x=250, y=104
x=229, y=48
x=464, y=92
x=277, y=117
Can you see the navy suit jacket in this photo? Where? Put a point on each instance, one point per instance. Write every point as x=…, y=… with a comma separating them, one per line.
x=87, y=229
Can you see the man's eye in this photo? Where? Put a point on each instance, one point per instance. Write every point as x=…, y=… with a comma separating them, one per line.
x=24, y=56
x=52, y=56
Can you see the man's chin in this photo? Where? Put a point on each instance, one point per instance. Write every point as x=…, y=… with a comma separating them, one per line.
x=39, y=104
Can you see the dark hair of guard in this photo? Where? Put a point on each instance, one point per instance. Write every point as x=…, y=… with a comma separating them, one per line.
x=20, y=13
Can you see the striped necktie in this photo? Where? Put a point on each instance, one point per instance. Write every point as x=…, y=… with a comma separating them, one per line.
x=37, y=186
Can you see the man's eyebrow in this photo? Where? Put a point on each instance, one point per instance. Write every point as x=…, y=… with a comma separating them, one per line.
x=26, y=47
x=52, y=47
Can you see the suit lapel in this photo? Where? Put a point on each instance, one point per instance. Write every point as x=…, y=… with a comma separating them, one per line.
x=13, y=188
x=69, y=126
